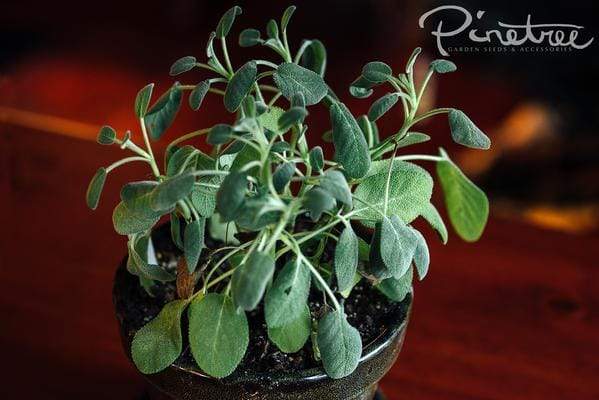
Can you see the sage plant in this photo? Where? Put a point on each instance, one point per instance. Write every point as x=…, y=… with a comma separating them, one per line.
x=276, y=203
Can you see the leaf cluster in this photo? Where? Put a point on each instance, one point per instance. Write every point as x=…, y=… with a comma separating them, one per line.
x=262, y=184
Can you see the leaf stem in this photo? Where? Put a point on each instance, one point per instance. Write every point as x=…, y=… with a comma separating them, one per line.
x=152, y=160
x=125, y=161
x=223, y=42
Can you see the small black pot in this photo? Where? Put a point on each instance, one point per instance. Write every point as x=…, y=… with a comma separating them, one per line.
x=183, y=380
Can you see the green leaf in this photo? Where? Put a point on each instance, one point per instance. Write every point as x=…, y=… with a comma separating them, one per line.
x=218, y=335
x=249, y=38
x=351, y=149
x=298, y=100
x=231, y=195
x=258, y=212
x=196, y=97
x=181, y=160
x=132, y=191
x=398, y=245
x=412, y=60
x=317, y=201
x=315, y=57
x=240, y=85
x=220, y=134
x=377, y=72
x=272, y=29
x=170, y=191
x=250, y=279
x=295, y=115
x=162, y=114
x=194, y=242
x=292, y=79
x=280, y=147
x=335, y=184
x=249, y=107
x=361, y=88
x=210, y=45
x=176, y=231
x=245, y=155
x=346, y=259
x=432, y=216
x=467, y=205
x=226, y=21
x=410, y=190
x=412, y=138
x=182, y=65
x=107, y=135
x=135, y=216
x=94, y=190
x=382, y=105
x=158, y=343
x=142, y=101
x=421, y=255
x=288, y=296
x=339, y=343
x=270, y=119
x=143, y=269
x=287, y=17
x=397, y=289
x=316, y=158
x=464, y=132
x=443, y=66
x=282, y=175
x=291, y=337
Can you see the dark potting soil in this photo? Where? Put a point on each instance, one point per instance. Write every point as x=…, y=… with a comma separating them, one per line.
x=366, y=308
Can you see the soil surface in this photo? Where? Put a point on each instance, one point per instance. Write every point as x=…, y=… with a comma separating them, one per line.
x=367, y=310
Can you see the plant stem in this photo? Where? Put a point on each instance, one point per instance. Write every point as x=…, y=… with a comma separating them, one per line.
x=125, y=161
x=388, y=183
x=223, y=42
x=423, y=157
x=152, y=160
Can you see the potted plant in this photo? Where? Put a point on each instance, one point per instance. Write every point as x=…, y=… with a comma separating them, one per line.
x=282, y=274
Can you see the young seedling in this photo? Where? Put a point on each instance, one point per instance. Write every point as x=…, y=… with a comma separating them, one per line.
x=264, y=180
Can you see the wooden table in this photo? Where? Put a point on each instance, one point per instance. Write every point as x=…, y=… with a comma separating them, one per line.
x=513, y=317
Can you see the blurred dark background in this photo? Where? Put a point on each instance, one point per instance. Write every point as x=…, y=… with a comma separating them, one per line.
x=514, y=317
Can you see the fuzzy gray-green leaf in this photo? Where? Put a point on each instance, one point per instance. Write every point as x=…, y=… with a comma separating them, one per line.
x=397, y=289
x=182, y=65
x=240, y=85
x=231, y=195
x=315, y=57
x=226, y=21
x=339, y=343
x=432, y=216
x=218, y=335
x=409, y=192
x=467, y=205
x=158, y=343
x=194, y=242
x=377, y=72
x=106, y=136
x=317, y=201
x=249, y=38
x=250, y=279
x=196, y=97
x=316, y=158
x=292, y=79
x=465, y=132
x=287, y=297
x=170, y=191
x=382, y=105
x=346, y=259
x=361, y=88
x=351, y=149
x=220, y=134
x=142, y=100
x=292, y=336
x=443, y=66
x=293, y=116
x=421, y=255
x=94, y=190
x=287, y=17
x=162, y=114
x=335, y=184
x=282, y=175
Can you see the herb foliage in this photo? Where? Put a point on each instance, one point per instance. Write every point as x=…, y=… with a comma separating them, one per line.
x=262, y=179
